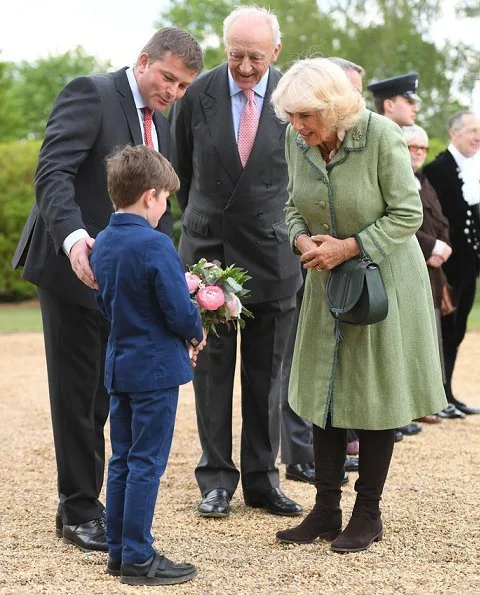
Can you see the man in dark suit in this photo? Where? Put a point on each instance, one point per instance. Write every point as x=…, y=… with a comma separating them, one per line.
x=232, y=200
x=456, y=180
x=92, y=116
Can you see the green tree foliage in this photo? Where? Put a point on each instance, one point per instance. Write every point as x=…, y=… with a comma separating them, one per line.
x=33, y=86
x=9, y=113
x=387, y=37
x=17, y=167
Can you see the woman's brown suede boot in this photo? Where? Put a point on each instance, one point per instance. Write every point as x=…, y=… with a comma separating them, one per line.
x=365, y=525
x=325, y=519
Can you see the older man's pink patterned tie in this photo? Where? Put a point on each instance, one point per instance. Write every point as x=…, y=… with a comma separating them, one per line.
x=248, y=126
x=147, y=126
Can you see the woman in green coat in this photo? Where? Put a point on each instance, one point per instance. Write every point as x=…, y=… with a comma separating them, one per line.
x=351, y=185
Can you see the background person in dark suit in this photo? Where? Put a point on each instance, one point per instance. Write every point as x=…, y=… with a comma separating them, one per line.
x=456, y=180
x=233, y=212
x=91, y=117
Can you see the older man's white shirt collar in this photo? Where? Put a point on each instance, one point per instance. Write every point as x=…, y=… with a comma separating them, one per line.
x=260, y=88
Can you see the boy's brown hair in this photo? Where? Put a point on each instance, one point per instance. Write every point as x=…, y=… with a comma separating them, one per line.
x=134, y=170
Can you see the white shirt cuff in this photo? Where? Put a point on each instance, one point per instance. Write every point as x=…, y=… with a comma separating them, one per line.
x=73, y=237
x=439, y=248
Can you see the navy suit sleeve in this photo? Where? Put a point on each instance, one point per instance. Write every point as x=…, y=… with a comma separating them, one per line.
x=71, y=132
x=168, y=278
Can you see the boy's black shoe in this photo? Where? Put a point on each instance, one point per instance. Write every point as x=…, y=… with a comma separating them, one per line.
x=157, y=570
x=113, y=566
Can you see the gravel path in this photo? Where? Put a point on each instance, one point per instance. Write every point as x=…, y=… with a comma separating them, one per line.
x=431, y=509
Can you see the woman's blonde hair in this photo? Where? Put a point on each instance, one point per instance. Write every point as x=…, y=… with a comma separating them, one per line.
x=318, y=84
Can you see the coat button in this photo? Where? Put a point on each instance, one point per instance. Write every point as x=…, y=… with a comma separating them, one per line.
x=326, y=227
x=218, y=182
x=268, y=184
x=225, y=241
x=323, y=204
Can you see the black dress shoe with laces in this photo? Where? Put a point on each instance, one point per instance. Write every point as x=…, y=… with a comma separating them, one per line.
x=157, y=570
x=275, y=502
x=301, y=472
x=398, y=435
x=451, y=412
x=464, y=408
x=215, y=503
x=88, y=537
x=411, y=429
x=351, y=464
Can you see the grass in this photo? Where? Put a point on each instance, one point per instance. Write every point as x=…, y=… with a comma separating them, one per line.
x=26, y=317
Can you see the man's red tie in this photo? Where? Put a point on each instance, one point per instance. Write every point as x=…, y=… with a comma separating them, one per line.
x=248, y=126
x=147, y=126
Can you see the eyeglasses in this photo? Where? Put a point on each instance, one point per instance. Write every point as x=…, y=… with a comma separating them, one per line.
x=416, y=148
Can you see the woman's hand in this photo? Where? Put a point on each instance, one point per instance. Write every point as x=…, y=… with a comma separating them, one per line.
x=328, y=252
x=435, y=261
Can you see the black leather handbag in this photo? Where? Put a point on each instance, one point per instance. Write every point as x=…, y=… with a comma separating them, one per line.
x=355, y=292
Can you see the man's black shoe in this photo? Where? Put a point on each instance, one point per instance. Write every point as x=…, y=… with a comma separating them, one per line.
x=59, y=523
x=89, y=536
x=157, y=570
x=351, y=464
x=215, y=503
x=410, y=429
x=113, y=566
x=345, y=478
x=451, y=412
x=301, y=472
x=398, y=435
x=463, y=407
x=275, y=502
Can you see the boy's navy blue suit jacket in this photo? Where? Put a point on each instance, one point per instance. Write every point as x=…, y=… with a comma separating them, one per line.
x=144, y=295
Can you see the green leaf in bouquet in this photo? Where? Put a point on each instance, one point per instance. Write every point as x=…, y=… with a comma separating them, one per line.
x=233, y=285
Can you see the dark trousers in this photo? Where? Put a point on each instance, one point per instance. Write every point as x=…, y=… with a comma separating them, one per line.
x=296, y=444
x=454, y=326
x=75, y=341
x=262, y=347
x=141, y=432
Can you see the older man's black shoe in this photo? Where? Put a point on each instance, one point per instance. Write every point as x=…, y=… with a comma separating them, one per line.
x=215, y=503
x=157, y=570
x=88, y=537
x=301, y=472
x=275, y=502
x=398, y=435
x=466, y=409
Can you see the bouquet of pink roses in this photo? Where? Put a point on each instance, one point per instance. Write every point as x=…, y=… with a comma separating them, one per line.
x=216, y=292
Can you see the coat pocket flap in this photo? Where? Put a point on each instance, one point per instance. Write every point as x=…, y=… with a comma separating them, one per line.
x=195, y=221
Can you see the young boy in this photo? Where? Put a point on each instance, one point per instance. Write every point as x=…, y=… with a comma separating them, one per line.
x=144, y=295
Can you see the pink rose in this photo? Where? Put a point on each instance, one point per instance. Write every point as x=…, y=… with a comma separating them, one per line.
x=210, y=297
x=234, y=306
x=193, y=281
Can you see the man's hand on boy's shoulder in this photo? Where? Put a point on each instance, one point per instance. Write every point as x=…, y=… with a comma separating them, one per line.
x=80, y=261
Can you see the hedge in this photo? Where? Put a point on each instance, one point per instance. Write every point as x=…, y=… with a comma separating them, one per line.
x=18, y=161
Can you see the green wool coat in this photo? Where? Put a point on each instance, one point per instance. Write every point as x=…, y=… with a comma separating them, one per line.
x=386, y=374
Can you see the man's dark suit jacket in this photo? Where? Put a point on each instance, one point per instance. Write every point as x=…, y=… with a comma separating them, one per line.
x=91, y=118
x=442, y=173
x=232, y=214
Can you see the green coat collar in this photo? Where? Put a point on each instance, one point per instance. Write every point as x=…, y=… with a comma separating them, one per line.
x=355, y=140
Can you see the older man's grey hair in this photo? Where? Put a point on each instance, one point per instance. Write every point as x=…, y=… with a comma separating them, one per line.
x=347, y=65
x=253, y=11
x=456, y=121
x=411, y=133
